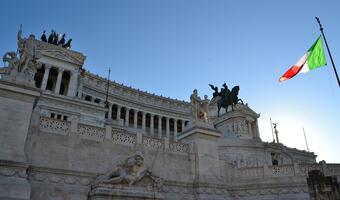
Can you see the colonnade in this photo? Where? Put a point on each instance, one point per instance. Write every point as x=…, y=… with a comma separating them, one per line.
x=53, y=80
x=152, y=124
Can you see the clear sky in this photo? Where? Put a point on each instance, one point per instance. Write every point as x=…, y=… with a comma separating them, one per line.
x=172, y=47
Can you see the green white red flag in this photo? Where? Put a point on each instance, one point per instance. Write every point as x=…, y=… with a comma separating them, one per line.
x=312, y=59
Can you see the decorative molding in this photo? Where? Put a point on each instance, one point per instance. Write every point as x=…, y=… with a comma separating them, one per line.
x=60, y=176
x=13, y=169
x=61, y=53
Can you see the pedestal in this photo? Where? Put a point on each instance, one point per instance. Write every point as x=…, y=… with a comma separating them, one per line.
x=204, y=139
x=16, y=105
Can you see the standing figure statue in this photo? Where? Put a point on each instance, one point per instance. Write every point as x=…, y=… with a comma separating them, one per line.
x=195, y=103
x=199, y=107
x=26, y=50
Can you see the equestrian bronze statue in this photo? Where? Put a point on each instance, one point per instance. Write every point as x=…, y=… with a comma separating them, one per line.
x=226, y=97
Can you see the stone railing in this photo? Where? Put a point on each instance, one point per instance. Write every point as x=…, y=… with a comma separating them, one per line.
x=153, y=143
x=54, y=126
x=120, y=136
x=179, y=147
x=297, y=170
x=116, y=135
x=278, y=171
x=303, y=169
x=250, y=172
x=91, y=132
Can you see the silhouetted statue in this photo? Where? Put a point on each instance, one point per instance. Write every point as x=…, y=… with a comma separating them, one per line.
x=50, y=38
x=228, y=98
x=215, y=88
x=43, y=37
x=68, y=44
x=55, y=38
x=62, y=40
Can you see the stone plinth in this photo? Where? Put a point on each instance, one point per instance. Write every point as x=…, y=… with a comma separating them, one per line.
x=121, y=191
x=204, y=139
x=16, y=103
x=240, y=123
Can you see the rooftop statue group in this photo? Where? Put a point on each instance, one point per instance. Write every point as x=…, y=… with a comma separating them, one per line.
x=225, y=97
x=20, y=67
x=53, y=38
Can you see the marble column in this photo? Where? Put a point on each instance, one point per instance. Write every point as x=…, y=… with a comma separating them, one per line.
x=182, y=121
x=127, y=116
x=249, y=130
x=72, y=87
x=45, y=79
x=118, y=112
x=80, y=88
x=135, y=119
x=159, y=126
x=151, y=124
x=109, y=116
x=60, y=76
x=143, y=121
x=175, y=129
x=167, y=127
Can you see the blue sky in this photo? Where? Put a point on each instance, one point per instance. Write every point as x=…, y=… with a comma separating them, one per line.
x=172, y=47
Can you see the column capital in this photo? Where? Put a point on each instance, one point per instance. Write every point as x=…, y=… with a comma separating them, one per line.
x=48, y=66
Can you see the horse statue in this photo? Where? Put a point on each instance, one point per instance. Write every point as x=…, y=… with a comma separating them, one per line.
x=228, y=98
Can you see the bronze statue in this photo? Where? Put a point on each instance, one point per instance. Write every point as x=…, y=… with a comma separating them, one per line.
x=62, y=40
x=228, y=98
x=68, y=44
x=43, y=37
x=50, y=38
x=55, y=38
x=215, y=88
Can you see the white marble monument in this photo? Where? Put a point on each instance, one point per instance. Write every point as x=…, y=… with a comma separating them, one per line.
x=59, y=139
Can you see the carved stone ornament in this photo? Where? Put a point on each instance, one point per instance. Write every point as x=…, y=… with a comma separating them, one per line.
x=21, y=68
x=131, y=179
x=133, y=173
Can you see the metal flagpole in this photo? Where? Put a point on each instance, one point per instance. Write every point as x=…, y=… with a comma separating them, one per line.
x=271, y=126
x=329, y=52
x=107, y=88
x=304, y=133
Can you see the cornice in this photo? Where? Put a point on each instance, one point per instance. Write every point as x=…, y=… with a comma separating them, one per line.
x=128, y=89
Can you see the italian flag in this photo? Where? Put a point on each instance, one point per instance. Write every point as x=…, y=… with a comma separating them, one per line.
x=312, y=59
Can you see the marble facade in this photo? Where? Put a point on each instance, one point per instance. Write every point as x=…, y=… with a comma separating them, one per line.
x=60, y=139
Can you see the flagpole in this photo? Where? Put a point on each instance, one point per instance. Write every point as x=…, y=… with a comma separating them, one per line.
x=329, y=52
x=304, y=133
x=107, y=88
